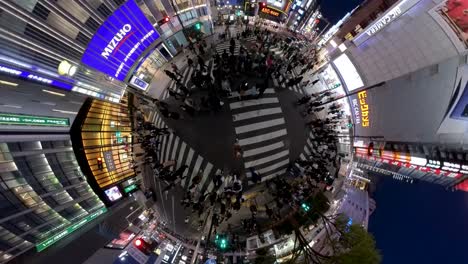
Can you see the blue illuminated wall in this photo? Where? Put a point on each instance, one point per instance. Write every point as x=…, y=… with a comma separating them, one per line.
x=119, y=41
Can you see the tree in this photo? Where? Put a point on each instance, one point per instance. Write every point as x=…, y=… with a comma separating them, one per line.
x=355, y=246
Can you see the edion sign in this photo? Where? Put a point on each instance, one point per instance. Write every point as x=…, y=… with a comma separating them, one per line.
x=119, y=41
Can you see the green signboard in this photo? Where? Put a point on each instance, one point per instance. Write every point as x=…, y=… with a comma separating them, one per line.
x=72, y=228
x=130, y=188
x=27, y=120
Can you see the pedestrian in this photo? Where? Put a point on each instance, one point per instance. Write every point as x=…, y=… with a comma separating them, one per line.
x=175, y=94
x=237, y=149
x=171, y=75
x=176, y=69
x=201, y=62
x=189, y=61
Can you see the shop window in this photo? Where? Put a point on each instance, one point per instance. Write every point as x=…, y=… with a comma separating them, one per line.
x=81, y=38
x=40, y=11
x=92, y=24
x=104, y=10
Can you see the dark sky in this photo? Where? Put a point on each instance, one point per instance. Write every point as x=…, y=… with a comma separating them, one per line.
x=419, y=223
x=334, y=10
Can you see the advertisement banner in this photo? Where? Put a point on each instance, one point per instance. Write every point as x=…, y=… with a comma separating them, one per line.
x=360, y=110
x=119, y=41
x=452, y=17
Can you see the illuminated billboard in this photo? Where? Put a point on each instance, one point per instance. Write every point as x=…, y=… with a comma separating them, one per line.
x=119, y=41
x=348, y=72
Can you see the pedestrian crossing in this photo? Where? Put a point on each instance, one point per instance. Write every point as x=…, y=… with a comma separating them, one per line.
x=174, y=148
x=225, y=46
x=294, y=88
x=308, y=147
x=261, y=130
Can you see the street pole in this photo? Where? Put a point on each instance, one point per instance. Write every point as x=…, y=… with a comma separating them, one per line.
x=176, y=10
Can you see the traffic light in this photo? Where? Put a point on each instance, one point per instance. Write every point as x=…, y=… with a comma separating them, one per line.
x=305, y=207
x=99, y=163
x=164, y=20
x=141, y=245
x=221, y=241
x=262, y=4
x=370, y=149
x=198, y=26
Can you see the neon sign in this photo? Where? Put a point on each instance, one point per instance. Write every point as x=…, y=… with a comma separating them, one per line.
x=270, y=11
x=119, y=41
x=34, y=77
x=391, y=15
x=364, y=108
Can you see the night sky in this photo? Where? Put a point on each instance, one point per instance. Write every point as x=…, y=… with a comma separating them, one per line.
x=419, y=223
x=334, y=10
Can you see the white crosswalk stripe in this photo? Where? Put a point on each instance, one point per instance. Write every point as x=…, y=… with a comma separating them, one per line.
x=267, y=159
x=174, y=148
x=263, y=149
x=264, y=137
x=257, y=113
x=259, y=125
x=254, y=102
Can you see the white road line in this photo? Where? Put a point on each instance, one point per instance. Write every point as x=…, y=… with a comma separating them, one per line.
x=256, y=151
x=206, y=172
x=302, y=156
x=253, y=102
x=273, y=175
x=273, y=167
x=169, y=144
x=187, y=162
x=264, y=137
x=309, y=143
x=190, y=74
x=176, y=145
x=259, y=125
x=256, y=113
x=163, y=148
x=306, y=150
x=181, y=153
x=269, y=169
x=196, y=168
x=266, y=159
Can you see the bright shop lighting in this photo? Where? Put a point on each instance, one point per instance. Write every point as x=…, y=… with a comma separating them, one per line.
x=52, y=92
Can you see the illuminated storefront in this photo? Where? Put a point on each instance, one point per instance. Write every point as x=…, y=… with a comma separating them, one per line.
x=105, y=136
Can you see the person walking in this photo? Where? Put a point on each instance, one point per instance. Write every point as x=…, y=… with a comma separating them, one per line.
x=189, y=61
x=176, y=70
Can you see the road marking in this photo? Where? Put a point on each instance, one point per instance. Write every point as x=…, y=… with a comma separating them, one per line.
x=259, y=125
x=181, y=154
x=273, y=175
x=187, y=162
x=176, y=144
x=254, y=102
x=257, y=113
x=163, y=148
x=263, y=149
x=266, y=159
x=273, y=167
x=169, y=145
x=302, y=156
x=263, y=137
x=195, y=170
x=206, y=172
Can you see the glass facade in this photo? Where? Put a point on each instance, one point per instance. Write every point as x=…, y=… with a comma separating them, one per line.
x=106, y=137
x=42, y=192
x=39, y=34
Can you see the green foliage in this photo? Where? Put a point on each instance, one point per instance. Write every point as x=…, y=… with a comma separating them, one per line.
x=355, y=246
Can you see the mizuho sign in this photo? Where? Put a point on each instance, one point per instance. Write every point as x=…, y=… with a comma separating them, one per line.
x=391, y=15
x=120, y=41
x=114, y=44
